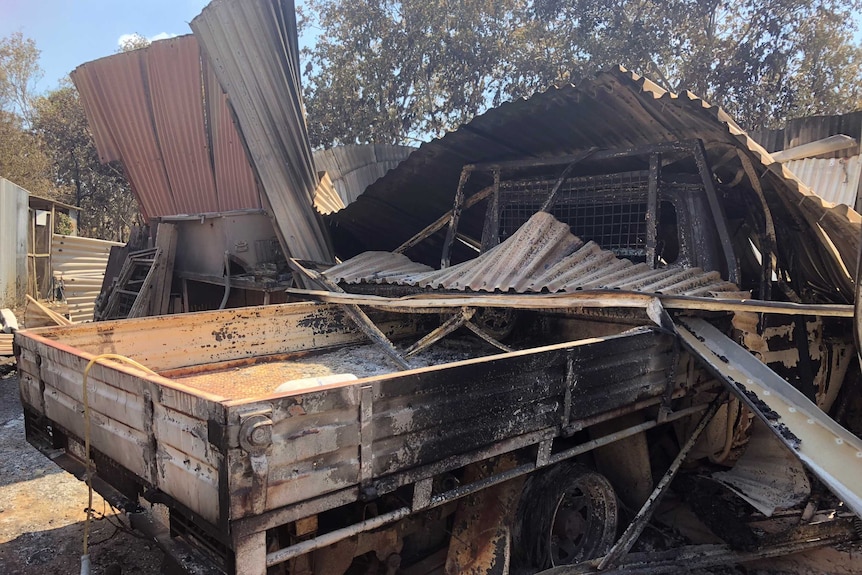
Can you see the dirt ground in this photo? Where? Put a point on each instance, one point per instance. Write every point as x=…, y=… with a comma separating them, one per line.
x=42, y=511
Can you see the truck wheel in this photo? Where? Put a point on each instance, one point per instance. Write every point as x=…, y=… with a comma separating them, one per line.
x=566, y=514
x=496, y=321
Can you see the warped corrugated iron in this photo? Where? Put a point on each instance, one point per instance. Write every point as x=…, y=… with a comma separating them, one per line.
x=80, y=263
x=542, y=256
x=165, y=118
x=252, y=46
x=326, y=197
x=355, y=167
x=836, y=180
x=616, y=109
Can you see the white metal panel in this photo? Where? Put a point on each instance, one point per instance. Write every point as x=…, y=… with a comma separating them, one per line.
x=80, y=263
x=14, y=202
x=834, y=179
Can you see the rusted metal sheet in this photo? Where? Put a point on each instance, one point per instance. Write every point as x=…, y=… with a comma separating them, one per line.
x=163, y=115
x=236, y=186
x=542, y=256
x=174, y=84
x=632, y=112
x=261, y=36
x=355, y=167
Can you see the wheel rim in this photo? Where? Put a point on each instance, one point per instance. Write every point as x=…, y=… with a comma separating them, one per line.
x=584, y=522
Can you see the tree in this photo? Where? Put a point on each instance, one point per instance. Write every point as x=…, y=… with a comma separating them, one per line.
x=397, y=70
x=22, y=159
x=19, y=72
x=132, y=42
x=108, y=207
x=400, y=70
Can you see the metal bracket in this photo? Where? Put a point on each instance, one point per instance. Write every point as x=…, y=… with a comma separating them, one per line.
x=255, y=438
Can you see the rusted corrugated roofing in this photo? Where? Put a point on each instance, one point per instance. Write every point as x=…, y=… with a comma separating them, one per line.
x=355, y=167
x=542, y=256
x=252, y=46
x=181, y=151
x=614, y=110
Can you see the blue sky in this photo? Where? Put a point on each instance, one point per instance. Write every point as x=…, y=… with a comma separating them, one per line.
x=72, y=32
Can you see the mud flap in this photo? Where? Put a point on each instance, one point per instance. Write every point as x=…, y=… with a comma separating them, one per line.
x=481, y=537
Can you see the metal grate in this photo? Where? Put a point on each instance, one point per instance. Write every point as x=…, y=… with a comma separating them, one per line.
x=609, y=209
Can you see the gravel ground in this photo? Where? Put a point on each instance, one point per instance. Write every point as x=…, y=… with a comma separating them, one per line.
x=42, y=511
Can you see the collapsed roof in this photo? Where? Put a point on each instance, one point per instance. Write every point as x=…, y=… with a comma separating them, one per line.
x=816, y=243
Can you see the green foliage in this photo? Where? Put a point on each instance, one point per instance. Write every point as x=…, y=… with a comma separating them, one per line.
x=47, y=149
x=133, y=42
x=63, y=224
x=399, y=70
x=19, y=71
x=22, y=160
x=108, y=208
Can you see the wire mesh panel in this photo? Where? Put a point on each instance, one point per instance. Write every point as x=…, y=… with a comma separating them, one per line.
x=608, y=209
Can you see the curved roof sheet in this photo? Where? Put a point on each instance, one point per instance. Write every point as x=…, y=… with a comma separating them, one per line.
x=616, y=109
x=542, y=256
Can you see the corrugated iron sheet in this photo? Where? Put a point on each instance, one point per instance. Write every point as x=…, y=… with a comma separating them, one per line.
x=542, y=256
x=836, y=180
x=355, y=167
x=162, y=114
x=615, y=109
x=252, y=46
x=80, y=263
x=14, y=223
x=326, y=198
x=805, y=130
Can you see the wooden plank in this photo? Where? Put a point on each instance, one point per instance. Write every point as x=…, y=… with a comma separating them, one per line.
x=166, y=241
x=142, y=304
x=433, y=303
x=35, y=311
x=183, y=340
x=440, y=222
x=362, y=321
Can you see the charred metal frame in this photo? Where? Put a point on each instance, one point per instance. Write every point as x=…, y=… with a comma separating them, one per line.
x=424, y=499
x=655, y=153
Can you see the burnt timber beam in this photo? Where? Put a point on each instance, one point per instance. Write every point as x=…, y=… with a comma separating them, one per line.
x=362, y=321
x=441, y=222
x=454, y=218
x=705, y=171
x=434, y=303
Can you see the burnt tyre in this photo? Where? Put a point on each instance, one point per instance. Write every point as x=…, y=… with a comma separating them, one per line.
x=566, y=515
x=497, y=322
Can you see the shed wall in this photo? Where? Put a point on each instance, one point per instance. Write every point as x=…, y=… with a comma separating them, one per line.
x=13, y=243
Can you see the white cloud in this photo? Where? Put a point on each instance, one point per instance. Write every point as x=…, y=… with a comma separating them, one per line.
x=162, y=36
x=121, y=41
